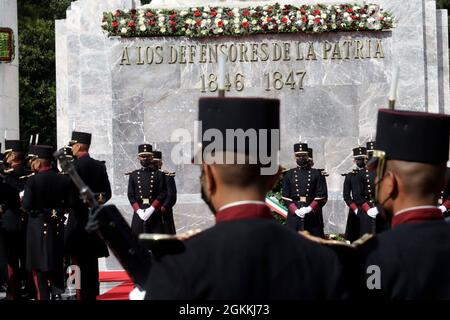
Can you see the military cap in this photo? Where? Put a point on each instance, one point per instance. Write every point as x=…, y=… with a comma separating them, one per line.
x=257, y=119
x=157, y=155
x=13, y=145
x=80, y=137
x=310, y=153
x=43, y=152
x=301, y=148
x=31, y=151
x=412, y=136
x=145, y=149
x=360, y=152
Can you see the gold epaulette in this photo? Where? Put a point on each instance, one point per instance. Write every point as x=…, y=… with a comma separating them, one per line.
x=27, y=176
x=361, y=241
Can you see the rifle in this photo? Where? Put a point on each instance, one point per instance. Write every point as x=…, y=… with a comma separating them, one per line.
x=108, y=223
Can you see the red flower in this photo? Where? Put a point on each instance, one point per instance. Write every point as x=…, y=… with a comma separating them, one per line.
x=199, y=23
x=151, y=22
x=149, y=14
x=230, y=13
x=304, y=19
x=213, y=13
x=132, y=24
x=172, y=23
x=114, y=24
x=284, y=19
x=349, y=10
x=317, y=20
x=173, y=15
x=316, y=12
x=302, y=11
x=354, y=17
x=381, y=18
x=117, y=13
x=269, y=19
x=220, y=24
x=197, y=13
x=245, y=24
x=246, y=12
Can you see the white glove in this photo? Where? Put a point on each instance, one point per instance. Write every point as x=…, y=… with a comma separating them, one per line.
x=307, y=209
x=149, y=211
x=21, y=194
x=137, y=294
x=356, y=211
x=443, y=209
x=372, y=212
x=300, y=213
x=141, y=214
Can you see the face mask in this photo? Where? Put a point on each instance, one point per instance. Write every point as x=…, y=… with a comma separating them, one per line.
x=146, y=163
x=360, y=164
x=205, y=198
x=302, y=162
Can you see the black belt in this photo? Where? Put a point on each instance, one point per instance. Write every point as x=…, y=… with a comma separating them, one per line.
x=47, y=213
x=302, y=199
x=148, y=201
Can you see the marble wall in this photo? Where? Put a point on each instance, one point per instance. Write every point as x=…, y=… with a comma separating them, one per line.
x=9, y=77
x=123, y=105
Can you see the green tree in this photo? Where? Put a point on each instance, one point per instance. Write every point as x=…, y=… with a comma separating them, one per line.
x=37, y=76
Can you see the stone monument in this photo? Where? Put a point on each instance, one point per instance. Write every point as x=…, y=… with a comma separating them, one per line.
x=127, y=90
x=9, y=75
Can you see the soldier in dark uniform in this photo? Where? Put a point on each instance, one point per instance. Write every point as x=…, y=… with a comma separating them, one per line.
x=247, y=254
x=352, y=194
x=14, y=221
x=147, y=191
x=85, y=248
x=46, y=199
x=171, y=198
x=305, y=193
x=410, y=161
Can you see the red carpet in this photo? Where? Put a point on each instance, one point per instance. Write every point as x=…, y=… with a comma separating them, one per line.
x=119, y=292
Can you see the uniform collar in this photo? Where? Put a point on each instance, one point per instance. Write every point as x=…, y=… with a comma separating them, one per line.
x=45, y=169
x=242, y=210
x=417, y=215
x=82, y=154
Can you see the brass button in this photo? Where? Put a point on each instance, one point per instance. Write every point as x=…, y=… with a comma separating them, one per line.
x=45, y=224
x=45, y=232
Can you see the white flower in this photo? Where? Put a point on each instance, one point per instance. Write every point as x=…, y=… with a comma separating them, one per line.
x=188, y=21
x=237, y=31
x=206, y=9
x=236, y=21
x=324, y=15
x=324, y=27
x=219, y=30
x=388, y=19
x=193, y=9
x=124, y=30
x=162, y=30
x=270, y=27
x=161, y=19
x=254, y=22
x=208, y=21
x=311, y=17
x=141, y=20
x=205, y=15
x=143, y=27
x=204, y=32
x=252, y=11
x=123, y=21
x=225, y=22
x=193, y=22
x=310, y=22
x=183, y=13
x=235, y=10
x=333, y=17
x=188, y=32
x=356, y=8
x=361, y=24
x=160, y=24
x=333, y=26
x=104, y=23
x=265, y=8
x=346, y=14
x=219, y=15
x=349, y=19
x=370, y=20
x=220, y=10
x=126, y=11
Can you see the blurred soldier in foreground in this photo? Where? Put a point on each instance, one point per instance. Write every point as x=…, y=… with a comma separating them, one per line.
x=46, y=198
x=171, y=198
x=410, y=160
x=147, y=191
x=83, y=247
x=247, y=254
